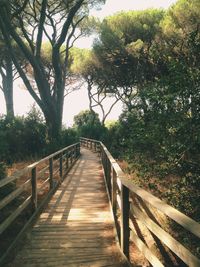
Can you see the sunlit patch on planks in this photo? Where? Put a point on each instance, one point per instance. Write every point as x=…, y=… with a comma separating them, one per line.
x=76, y=228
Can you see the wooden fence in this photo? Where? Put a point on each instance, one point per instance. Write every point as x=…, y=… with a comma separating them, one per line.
x=35, y=185
x=135, y=209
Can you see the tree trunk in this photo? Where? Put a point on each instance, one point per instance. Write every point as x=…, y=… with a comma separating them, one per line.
x=8, y=95
x=53, y=118
x=7, y=82
x=50, y=89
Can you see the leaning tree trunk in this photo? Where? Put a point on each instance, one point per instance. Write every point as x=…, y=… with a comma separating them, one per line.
x=49, y=94
x=8, y=95
x=7, y=86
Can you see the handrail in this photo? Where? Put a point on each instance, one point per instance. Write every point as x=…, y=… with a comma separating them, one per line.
x=133, y=205
x=49, y=172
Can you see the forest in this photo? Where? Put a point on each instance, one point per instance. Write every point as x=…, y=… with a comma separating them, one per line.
x=149, y=60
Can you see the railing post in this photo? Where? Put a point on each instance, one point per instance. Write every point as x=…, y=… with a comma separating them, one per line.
x=51, y=173
x=114, y=192
x=61, y=165
x=95, y=147
x=99, y=150
x=105, y=165
x=125, y=206
x=103, y=160
x=67, y=160
x=71, y=156
x=34, y=188
x=108, y=174
x=78, y=150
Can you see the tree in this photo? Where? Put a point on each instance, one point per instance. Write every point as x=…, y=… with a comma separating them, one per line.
x=124, y=52
x=85, y=66
x=88, y=125
x=157, y=56
x=6, y=73
x=56, y=21
x=177, y=89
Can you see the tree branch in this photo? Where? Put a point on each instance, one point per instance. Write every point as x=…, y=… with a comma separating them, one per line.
x=68, y=22
x=40, y=29
x=18, y=67
x=15, y=14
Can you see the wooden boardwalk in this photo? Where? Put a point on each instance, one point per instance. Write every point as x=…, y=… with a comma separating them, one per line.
x=76, y=228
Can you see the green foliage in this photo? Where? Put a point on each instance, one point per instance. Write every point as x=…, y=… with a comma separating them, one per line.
x=26, y=137
x=22, y=137
x=68, y=137
x=80, y=60
x=5, y=190
x=122, y=49
x=157, y=55
x=2, y=170
x=184, y=195
x=88, y=125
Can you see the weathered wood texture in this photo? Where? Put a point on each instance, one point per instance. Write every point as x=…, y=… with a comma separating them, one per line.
x=134, y=209
x=76, y=228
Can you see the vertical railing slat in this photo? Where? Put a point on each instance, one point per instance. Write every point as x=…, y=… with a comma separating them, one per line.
x=51, y=173
x=61, y=165
x=114, y=192
x=34, y=188
x=125, y=207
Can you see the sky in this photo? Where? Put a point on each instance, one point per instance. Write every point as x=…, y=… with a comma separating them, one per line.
x=77, y=101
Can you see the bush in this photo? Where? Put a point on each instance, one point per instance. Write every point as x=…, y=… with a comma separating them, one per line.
x=22, y=138
x=87, y=124
x=5, y=190
x=2, y=170
x=35, y=134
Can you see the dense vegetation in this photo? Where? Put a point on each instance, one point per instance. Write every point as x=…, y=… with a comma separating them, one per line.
x=26, y=138
x=148, y=59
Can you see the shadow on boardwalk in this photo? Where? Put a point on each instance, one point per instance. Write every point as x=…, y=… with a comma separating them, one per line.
x=76, y=228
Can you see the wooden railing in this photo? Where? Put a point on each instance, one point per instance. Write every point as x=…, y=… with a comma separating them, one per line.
x=134, y=209
x=35, y=184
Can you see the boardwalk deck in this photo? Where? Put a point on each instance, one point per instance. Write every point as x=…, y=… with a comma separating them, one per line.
x=76, y=228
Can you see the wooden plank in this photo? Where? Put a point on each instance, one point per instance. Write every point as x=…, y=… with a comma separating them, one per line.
x=52, y=155
x=43, y=184
x=188, y=223
x=14, y=177
x=20, y=173
x=174, y=214
x=21, y=234
x=14, y=194
x=13, y=216
x=56, y=171
x=171, y=212
x=124, y=227
x=51, y=184
x=77, y=223
x=144, y=249
x=42, y=171
x=61, y=165
x=183, y=253
x=114, y=192
x=34, y=188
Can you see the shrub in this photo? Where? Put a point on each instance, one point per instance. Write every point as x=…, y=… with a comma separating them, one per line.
x=21, y=137
x=2, y=170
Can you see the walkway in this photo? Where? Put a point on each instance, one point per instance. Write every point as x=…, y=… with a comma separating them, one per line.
x=76, y=228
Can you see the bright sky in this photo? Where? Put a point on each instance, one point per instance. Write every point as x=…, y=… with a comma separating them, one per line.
x=78, y=100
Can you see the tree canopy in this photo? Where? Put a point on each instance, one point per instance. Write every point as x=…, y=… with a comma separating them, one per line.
x=28, y=23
